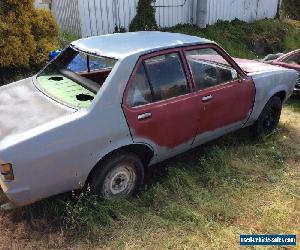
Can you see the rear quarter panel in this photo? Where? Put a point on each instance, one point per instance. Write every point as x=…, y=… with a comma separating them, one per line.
x=267, y=84
x=58, y=156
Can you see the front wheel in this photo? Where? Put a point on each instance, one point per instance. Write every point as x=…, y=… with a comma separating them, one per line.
x=119, y=176
x=269, y=118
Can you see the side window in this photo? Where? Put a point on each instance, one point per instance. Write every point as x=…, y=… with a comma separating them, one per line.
x=209, y=68
x=166, y=76
x=139, y=92
x=79, y=63
x=87, y=63
x=99, y=63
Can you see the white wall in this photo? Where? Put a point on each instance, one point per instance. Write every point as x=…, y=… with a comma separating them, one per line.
x=245, y=10
x=41, y=4
x=98, y=17
x=172, y=12
x=66, y=13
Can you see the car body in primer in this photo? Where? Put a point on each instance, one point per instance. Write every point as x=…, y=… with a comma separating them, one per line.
x=53, y=143
x=290, y=60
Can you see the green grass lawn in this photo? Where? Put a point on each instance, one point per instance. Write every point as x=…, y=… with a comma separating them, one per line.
x=202, y=199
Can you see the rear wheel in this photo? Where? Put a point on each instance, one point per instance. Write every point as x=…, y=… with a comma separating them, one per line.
x=120, y=176
x=269, y=118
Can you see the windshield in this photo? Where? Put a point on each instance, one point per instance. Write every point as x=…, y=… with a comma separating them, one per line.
x=74, y=77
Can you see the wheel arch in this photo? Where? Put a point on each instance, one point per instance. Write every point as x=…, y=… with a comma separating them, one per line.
x=262, y=97
x=144, y=151
x=281, y=94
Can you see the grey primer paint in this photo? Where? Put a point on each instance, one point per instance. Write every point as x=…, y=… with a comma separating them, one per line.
x=53, y=148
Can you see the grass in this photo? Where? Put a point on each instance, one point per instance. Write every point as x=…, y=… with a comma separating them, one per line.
x=202, y=199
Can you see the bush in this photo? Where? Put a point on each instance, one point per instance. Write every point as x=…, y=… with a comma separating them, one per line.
x=145, y=17
x=26, y=34
x=249, y=40
x=291, y=9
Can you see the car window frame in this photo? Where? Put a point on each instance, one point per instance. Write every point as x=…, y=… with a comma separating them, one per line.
x=141, y=61
x=241, y=74
x=132, y=79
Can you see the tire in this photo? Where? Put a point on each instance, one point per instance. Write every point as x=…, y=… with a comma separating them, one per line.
x=269, y=118
x=119, y=176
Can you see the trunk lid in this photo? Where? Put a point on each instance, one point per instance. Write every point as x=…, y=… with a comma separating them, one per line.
x=23, y=107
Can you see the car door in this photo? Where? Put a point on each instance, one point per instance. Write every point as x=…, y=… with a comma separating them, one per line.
x=225, y=95
x=158, y=104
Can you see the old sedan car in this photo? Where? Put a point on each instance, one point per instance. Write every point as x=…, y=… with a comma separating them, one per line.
x=290, y=60
x=151, y=95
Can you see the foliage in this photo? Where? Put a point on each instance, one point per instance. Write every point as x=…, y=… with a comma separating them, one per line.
x=26, y=34
x=45, y=31
x=249, y=40
x=145, y=17
x=64, y=39
x=119, y=29
x=291, y=9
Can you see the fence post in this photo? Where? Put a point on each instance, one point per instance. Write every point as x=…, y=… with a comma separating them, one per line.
x=201, y=13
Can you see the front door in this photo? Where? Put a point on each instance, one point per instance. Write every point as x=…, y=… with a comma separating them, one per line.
x=158, y=104
x=225, y=96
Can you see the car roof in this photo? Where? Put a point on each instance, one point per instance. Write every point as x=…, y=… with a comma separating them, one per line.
x=121, y=45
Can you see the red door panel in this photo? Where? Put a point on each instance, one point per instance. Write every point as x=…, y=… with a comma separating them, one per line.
x=227, y=104
x=223, y=105
x=167, y=123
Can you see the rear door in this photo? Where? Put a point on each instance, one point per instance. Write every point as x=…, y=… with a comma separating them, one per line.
x=225, y=95
x=158, y=103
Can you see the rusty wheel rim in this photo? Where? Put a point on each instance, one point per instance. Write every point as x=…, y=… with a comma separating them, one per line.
x=119, y=182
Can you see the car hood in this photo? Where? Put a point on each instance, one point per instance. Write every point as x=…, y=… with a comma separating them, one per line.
x=251, y=66
x=23, y=107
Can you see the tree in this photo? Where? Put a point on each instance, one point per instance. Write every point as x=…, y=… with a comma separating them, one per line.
x=26, y=34
x=145, y=17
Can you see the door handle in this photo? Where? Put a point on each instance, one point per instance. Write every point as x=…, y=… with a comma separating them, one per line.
x=207, y=98
x=144, y=116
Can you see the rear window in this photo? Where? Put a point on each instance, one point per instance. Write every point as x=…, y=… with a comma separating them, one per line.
x=74, y=77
